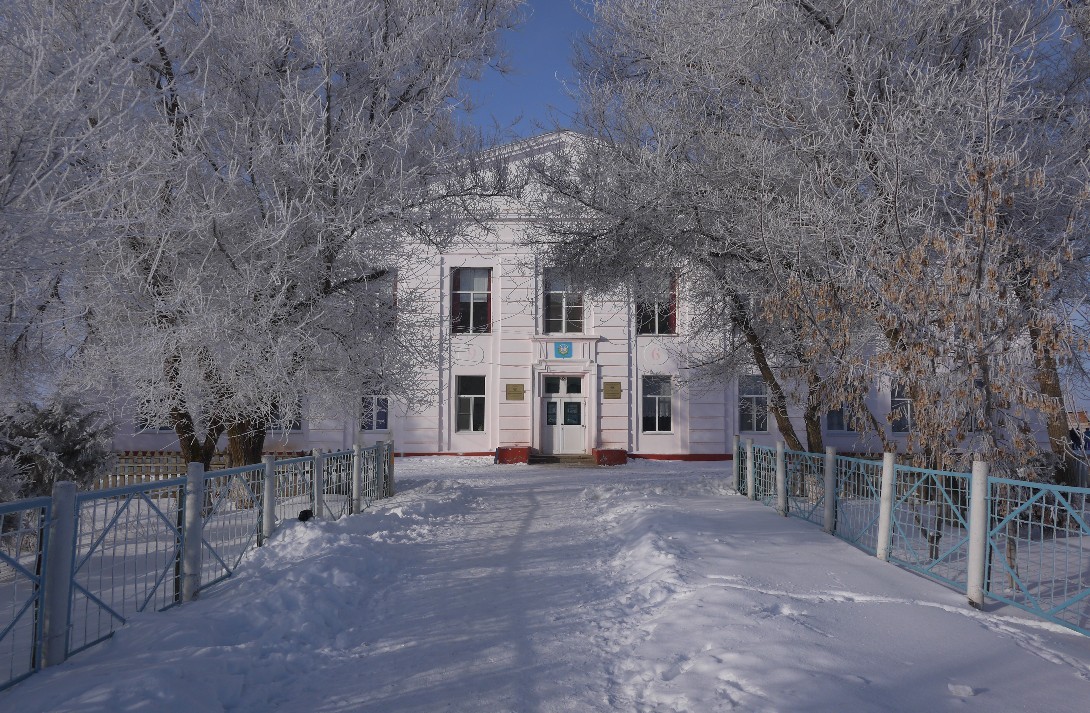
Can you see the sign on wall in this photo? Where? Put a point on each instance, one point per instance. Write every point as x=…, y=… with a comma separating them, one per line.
x=611, y=389
x=516, y=392
x=562, y=350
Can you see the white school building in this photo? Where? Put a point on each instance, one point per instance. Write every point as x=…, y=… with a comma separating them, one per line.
x=524, y=363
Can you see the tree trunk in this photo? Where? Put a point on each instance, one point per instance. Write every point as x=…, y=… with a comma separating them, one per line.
x=245, y=443
x=777, y=400
x=811, y=417
x=1048, y=382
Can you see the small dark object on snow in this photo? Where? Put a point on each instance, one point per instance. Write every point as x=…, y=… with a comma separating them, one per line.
x=305, y=515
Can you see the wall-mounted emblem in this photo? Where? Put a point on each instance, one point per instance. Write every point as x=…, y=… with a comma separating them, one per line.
x=562, y=350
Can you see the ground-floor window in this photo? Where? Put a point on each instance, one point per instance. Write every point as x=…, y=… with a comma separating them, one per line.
x=900, y=405
x=375, y=413
x=839, y=419
x=470, y=398
x=657, y=395
x=752, y=404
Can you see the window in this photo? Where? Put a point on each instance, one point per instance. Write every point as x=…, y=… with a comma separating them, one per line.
x=470, y=403
x=752, y=404
x=563, y=308
x=657, y=392
x=375, y=413
x=279, y=421
x=563, y=384
x=471, y=300
x=656, y=312
x=901, y=408
x=839, y=419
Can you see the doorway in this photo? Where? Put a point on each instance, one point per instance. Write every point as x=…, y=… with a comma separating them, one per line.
x=563, y=417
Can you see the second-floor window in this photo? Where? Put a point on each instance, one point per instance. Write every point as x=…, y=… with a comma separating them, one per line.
x=563, y=307
x=471, y=300
x=656, y=310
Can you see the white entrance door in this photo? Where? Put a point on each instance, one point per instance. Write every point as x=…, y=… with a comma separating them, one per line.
x=563, y=422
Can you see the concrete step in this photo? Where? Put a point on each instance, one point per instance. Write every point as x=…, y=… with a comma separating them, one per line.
x=570, y=461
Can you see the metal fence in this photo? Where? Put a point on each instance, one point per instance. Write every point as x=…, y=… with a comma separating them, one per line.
x=1031, y=540
x=858, y=489
x=930, y=523
x=806, y=486
x=24, y=544
x=146, y=547
x=1039, y=549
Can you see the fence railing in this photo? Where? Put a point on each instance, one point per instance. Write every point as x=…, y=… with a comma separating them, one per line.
x=75, y=567
x=1022, y=543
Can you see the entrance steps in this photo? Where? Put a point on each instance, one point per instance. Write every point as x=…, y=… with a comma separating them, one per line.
x=573, y=461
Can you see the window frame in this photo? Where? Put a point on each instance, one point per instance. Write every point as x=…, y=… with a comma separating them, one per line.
x=549, y=295
x=375, y=410
x=846, y=419
x=900, y=402
x=657, y=399
x=475, y=401
x=660, y=312
x=758, y=401
x=469, y=326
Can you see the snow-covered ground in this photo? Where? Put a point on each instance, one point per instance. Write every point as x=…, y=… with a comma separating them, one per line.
x=528, y=588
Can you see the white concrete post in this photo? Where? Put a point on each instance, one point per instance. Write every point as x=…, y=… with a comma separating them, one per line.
x=978, y=533
x=751, y=472
x=885, y=508
x=830, y=490
x=318, y=483
x=356, y=502
x=58, y=574
x=194, y=532
x=734, y=474
x=781, y=479
x=268, y=499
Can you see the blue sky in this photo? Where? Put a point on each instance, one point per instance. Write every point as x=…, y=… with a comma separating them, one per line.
x=539, y=54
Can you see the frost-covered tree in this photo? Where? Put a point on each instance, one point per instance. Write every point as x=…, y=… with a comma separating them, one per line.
x=293, y=157
x=834, y=175
x=65, y=88
x=60, y=440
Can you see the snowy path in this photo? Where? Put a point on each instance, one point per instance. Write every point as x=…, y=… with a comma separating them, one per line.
x=532, y=589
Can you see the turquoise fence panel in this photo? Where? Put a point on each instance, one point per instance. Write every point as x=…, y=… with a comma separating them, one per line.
x=24, y=546
x=764, y=480
x=232, y=515
x=740, y=456
x=930, y=527
x=337, y=483
x=805, y=486
x=127, y=557
x=1039, y=550
x=858, y=494
x=294, y=481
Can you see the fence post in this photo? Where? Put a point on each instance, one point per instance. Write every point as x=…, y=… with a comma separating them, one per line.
x=781, y=479
x=268, y=500
x=194, y=532
x=751, y=474
x=830, y=490
x=317, y=470
x=356, y=503
x=735, y=474
x=388, y=456
x=57, y=579
x=885, y=508
x=978, y=533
